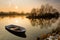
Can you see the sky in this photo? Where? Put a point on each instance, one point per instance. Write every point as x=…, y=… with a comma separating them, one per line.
x=26, y=5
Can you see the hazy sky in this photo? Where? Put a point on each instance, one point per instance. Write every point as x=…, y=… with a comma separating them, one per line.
x=26, y=5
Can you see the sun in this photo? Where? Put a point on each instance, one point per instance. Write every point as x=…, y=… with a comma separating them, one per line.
x=16, y=7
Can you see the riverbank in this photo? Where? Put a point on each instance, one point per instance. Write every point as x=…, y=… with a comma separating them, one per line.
x=54, y=35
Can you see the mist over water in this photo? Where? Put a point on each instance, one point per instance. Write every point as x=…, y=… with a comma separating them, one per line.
x=34, y=27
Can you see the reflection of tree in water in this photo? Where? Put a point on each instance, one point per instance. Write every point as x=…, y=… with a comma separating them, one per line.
x=42, y=22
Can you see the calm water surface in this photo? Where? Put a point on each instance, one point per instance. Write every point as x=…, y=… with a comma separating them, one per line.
x=34, y=27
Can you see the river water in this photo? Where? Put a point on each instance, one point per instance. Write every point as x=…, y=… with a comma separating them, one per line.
x=34, y=27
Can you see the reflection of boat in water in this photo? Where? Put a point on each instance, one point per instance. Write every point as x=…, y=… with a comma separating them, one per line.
x=17, y=30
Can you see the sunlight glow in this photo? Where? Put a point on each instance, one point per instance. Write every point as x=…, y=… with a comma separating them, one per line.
x=26, y=5
x=16, y=21
x=16, y=7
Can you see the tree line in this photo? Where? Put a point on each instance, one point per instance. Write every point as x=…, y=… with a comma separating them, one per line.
x=46, y=11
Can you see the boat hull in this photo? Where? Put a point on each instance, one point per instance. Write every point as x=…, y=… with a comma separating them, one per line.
x=20, y=34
